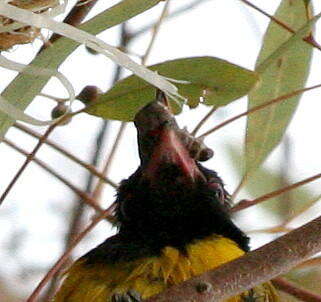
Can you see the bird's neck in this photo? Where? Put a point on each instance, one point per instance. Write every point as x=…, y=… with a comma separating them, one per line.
x=179, y=231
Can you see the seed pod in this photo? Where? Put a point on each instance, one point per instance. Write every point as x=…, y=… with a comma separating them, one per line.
x=89, y=94
x=59, y=111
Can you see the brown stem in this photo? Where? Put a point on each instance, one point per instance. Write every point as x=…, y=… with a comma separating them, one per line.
x=254, y=268
x=51, y=273
x=75, y=16
x=76, y=223
x=78, y=191
x=295, y=291
x=285, y=203
x=277, y=229
x=243, y=204
x=175, y=13
x=259, y=107
x=97, y=191
x=156, y=29
x=308, y=39
x=203, y=121
x=27, y=161
x=302, y=210
x=239, y=188
x=63, y=151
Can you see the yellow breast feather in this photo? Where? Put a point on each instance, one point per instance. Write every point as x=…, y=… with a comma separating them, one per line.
x=149, y=276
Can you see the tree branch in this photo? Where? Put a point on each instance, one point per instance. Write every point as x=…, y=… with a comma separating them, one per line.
x=254, y=268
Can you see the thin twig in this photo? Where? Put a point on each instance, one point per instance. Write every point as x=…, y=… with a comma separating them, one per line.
x=277, y=229
x=248, y=203
x=75, y=17
x=85, y=197
x=66, y=255
x=69, y=155
x=76, y=224
x=109, y=159
x=156, y=29
x=302, y=210
x=295, y=291
x=175, y=13
x=285, y=203
x=239, y=188
x=98, y=189
x=203, y=121
x=259, y=107
x=27, y=161
x=286, y=194
x=308, y=39
x=250, y=270
x=76, y=221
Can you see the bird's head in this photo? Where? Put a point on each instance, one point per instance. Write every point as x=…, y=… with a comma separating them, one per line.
x=171, y=196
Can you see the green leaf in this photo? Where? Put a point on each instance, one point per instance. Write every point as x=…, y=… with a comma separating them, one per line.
x=24, y=88
x=223, y=82
x=307, y=278
x=265, y=180
x=283, y=63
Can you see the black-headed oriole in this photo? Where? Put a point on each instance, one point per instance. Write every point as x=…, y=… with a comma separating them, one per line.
x=173, y=224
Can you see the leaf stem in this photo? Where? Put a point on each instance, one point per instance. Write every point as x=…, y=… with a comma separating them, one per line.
x=156, y=29
x=77, y=14
x=248, y=203
x=259, y=107
x=203, y=120
x=308, y=39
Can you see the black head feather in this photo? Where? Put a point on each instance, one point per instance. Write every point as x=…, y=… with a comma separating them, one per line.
x=173, y=213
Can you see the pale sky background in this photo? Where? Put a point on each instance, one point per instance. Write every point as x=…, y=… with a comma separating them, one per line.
x=37, y=207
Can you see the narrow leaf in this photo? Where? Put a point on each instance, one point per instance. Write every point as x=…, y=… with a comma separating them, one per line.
x=265, y=180
x=218, y=81
x=24, y=88
x=283, y=64
x=92, y=42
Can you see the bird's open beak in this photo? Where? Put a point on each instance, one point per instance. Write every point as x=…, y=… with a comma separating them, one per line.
x=170, y=151
x=160, y=143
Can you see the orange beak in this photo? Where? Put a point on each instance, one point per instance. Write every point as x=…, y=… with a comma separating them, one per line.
x=169, y=150
x=160, y=144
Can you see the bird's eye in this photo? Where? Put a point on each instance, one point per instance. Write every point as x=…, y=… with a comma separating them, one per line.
x=218, y=190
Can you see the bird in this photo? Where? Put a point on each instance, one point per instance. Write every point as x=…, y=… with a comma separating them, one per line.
x=173, y=223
